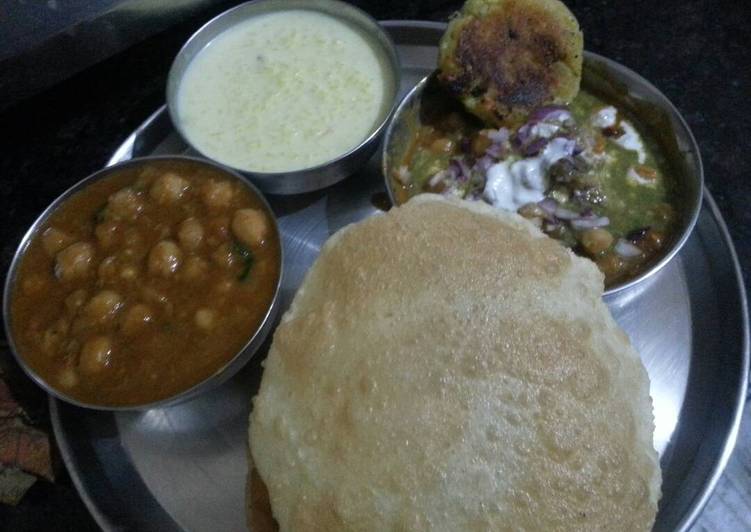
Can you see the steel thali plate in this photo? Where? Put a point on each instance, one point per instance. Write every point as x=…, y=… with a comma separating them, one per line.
x=184, y=467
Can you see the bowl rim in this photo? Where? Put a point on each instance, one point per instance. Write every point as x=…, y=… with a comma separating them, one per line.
x=694, y=163
x=225, y=371
x=383, y=38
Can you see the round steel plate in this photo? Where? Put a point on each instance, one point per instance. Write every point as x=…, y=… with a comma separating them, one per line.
x=184, y=467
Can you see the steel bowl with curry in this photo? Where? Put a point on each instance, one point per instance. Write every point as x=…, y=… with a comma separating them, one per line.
x=144, y=283
x=610, y=170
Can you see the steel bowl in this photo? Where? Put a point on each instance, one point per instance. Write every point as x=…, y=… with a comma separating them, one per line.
x=232, y=366
x=629, y=91
x=316, y=177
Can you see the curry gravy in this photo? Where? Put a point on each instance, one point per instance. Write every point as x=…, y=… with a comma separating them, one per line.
x=145, y=283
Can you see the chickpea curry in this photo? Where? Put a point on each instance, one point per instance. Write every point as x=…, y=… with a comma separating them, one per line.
x=583, y=173
x=145, y=283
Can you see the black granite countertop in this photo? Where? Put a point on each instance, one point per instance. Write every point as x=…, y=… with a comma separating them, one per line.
x=695, y=51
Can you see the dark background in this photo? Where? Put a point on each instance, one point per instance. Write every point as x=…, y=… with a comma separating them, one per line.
x=694, y=51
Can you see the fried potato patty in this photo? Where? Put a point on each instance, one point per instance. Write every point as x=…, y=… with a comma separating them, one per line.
x=504, y=58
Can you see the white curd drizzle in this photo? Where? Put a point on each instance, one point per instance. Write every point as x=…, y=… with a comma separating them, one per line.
x=511, y=185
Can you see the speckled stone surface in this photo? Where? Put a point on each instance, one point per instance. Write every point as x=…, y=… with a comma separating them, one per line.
x=695, y=51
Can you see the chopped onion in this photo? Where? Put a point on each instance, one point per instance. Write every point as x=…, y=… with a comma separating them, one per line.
x=483, y=163
x=551, y=113
x=605, y=117
x=498, y=136
x=566, y=145
x=403, y=175
x=566, y=214
x=495, y=150
x=437, y=178
x=523, y=135
x=626, y=249
x=635, y=177
x=590, y=223
x=549, y=205
x=461, y=168
x=452, y=172
x=534, y=147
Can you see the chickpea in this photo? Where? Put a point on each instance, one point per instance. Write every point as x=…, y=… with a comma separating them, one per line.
x=165, y=231
x=217, y=230
x=531, y=210
x=75, y=300
x=223, y=256
x=442, y=145
x=164, y=258
x=132, y=238
x=146, y=176
x=653, y=240
x=103, y=306
x=194, y=268
x=74, y=261
x=125, y=204
x=560, y=195
x=71, y=348
x=54, y=240
x=610, y=264
x=169, y=188
x=157, y=298
x=80, y=325
x=129, y=273
x=107, y=270
x=54, y=335
x=205, y=318
x=426, y=131
x=217, y=194
x=34, y=284
x=595, y=241
x=190, y=234
x=96, y=355
x=49, y=342
x=480, y=143
x=136, y=318
x=224, y=286
x=67, y=378
x=646, y=172
x=250, y=226
x=133, y=245
x=558, y=231
x=107, y=233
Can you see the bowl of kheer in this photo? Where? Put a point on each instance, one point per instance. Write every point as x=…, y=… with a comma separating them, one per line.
x=294, y=94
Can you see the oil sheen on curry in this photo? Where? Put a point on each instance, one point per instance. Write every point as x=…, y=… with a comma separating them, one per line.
x=584, y=173
x=145, y=283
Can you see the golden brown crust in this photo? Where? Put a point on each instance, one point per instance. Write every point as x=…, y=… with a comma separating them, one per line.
x=504, y=58
x=446, y=366
x=258, y=514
